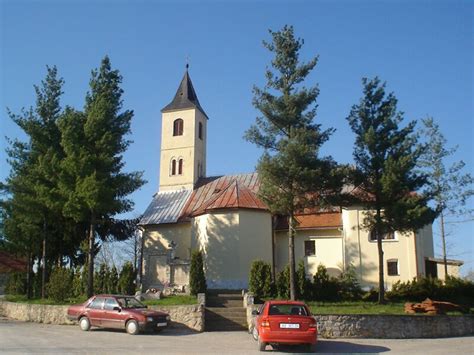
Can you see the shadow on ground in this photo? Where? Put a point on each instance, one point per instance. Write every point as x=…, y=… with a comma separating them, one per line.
x=164, y=332
x=332, y=347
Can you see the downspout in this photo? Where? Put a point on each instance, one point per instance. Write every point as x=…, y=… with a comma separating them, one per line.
x=273, y=247
x=360, y=251
x=416, y=256
x=142, y=246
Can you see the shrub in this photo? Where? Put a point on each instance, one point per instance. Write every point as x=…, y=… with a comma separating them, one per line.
x=283, y=283
x=16, y=284
x=302, y=283
x=77, y=289
x=260, y=280
x=101, y=279
x=349, y=287
x=453, y=290
x=126, y=282
x=59, y=287
x=197, y=279
x=325, y=288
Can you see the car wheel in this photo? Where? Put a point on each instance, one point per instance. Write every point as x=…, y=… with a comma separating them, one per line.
x=255, y=333
x=84, y=324
x=132, y=327
x=261, y=345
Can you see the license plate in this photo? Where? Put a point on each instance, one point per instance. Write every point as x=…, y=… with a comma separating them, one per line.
x=161, y=324
x=289, y=325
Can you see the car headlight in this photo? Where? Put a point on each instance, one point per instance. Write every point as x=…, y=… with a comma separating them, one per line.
x=149, y=319
x=168, y=318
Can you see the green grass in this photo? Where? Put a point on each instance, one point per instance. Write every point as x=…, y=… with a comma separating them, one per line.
x=172, y=301
x=355, y=308
x=24, y=299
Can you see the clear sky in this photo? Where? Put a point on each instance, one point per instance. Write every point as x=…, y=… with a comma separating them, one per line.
x=423, y=49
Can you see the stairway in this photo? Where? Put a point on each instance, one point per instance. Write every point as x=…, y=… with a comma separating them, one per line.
x=225, y=311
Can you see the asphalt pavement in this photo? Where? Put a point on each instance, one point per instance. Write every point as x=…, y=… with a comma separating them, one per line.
x=26, y=338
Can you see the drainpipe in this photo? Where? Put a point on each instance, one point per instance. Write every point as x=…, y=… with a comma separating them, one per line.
x=273, y=247
x=360, y=251
x=142, y=246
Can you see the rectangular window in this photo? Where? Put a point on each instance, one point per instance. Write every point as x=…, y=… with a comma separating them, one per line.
x=309, y=248
x=392, y=267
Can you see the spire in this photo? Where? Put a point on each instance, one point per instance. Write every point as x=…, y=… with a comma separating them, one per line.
x=185, y=96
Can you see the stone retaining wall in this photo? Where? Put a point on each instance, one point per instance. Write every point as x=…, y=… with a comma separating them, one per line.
x=385, y=326
x=394, y=326
x=185, y=316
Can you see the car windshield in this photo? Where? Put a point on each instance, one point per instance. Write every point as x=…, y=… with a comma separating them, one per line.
x=287, y=309
x=130, y=302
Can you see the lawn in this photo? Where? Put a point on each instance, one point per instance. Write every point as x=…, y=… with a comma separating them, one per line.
x=355, y=308
x=48, y=301
x=167, y=301
x=172, y=301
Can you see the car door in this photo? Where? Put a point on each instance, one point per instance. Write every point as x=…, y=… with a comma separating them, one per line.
x=113, y=317
x=95, y=311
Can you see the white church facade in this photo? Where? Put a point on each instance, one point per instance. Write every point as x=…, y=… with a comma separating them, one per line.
x=223, y=217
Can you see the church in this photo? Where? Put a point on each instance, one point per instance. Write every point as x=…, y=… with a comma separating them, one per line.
x=223, y=217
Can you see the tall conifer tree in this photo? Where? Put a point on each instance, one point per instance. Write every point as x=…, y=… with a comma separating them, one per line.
x=292, y=174
x=94, y=141
x=386, y=156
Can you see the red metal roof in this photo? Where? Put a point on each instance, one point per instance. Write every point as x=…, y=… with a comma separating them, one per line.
x=314, y=220
x=229, y=191
x=10, y=263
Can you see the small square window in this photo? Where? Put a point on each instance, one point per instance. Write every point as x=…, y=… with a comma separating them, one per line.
x=309, y=248
x=392, y=267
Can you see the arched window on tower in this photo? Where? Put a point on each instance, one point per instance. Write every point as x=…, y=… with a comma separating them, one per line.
x=180, y=167
x=200, y=130
x=173, y=167
x=178, y=127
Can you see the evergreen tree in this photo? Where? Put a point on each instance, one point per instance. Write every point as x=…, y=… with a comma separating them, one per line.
x=283, y=283
x=260, y=280
x=386, y=156
x=292, y=174
x=126, y=282
x=113, y=281
x=94, y=184
x=197, y=278
x=35, y=204
x=450, y=187
x=304, y=285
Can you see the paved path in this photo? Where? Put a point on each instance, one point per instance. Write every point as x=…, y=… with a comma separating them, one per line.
x=20, y=337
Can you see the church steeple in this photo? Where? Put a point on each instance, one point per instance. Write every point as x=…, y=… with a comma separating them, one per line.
x=185, y=97
x=183, y=139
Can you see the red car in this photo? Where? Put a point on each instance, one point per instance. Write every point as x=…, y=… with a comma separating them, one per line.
x=120, y=312
x=285, y=322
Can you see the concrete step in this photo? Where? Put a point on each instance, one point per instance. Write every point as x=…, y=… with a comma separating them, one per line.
x=223, y=304
x=225, y=326
x=227, y=312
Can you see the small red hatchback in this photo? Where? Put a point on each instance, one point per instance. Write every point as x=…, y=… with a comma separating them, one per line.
x=120, y=312
x=285, y=322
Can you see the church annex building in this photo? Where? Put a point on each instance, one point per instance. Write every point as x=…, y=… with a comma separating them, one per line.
x=223, y=217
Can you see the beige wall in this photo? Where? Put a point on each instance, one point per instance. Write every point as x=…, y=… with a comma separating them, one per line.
x=329, y=252
x=230, y=241
x=156, y=253
x=453, y=270
x=363, y=254
x=189, y=147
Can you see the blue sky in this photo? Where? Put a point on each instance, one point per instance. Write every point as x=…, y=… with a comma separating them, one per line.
x=423, y=49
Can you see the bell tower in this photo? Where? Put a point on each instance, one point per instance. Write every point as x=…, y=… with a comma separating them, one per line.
x=183, y=139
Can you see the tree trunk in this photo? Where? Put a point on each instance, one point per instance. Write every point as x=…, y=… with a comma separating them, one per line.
x=43, y=273
x=28, y=275
x=90, y=270
x=443, y=241
x=291, y=256
x=380, y=252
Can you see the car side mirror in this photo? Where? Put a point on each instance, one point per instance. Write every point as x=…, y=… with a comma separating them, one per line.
x=255, y=312
x=118, y=309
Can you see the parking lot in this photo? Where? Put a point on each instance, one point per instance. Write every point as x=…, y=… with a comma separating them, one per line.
x=21, y=337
